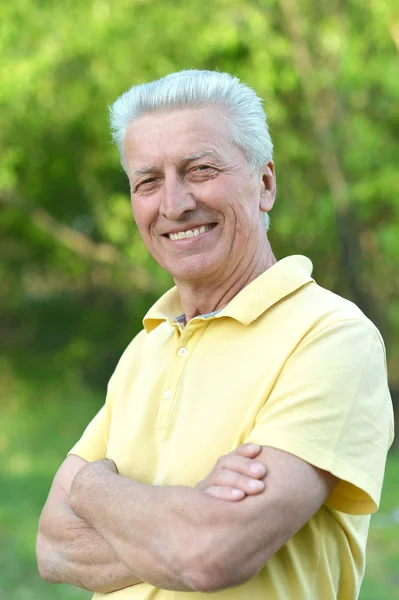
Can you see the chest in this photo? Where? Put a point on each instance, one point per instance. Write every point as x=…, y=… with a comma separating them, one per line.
x=188, y=399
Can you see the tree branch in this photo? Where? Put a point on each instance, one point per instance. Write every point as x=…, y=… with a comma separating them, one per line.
x=79, y=243
x=322, y=104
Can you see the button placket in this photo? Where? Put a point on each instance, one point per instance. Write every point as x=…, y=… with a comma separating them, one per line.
x=191, y=335
x=165, y=408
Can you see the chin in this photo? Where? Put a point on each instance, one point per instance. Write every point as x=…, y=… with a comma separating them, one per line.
x=190, y=270
x=191, y=274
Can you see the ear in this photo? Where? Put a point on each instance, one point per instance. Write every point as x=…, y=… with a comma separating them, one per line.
x=268, y=188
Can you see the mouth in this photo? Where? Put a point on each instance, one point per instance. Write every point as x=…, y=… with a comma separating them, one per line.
x=190, y=233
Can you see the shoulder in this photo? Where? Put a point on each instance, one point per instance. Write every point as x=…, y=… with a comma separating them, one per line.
x=317, y=315
x=339, y=318
x=318, y=310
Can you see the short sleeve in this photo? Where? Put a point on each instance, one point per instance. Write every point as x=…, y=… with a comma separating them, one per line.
x=94, y=441
x=331, y=407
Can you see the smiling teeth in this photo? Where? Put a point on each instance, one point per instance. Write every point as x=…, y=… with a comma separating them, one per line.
x=190, y=233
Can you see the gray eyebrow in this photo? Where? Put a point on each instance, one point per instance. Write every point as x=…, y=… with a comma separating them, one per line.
x=143, y=170
x=186, y=159
x=199, y=154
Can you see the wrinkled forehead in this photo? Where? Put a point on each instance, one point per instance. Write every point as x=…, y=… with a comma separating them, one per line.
x=201, y=121
x=178, y=135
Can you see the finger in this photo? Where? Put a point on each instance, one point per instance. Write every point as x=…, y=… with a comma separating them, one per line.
x=250, y=450
x=225, y=493
x=245, y=466
x=232, y=479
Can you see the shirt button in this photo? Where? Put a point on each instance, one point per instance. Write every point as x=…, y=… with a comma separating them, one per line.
x=168, y=394
x=182, y=351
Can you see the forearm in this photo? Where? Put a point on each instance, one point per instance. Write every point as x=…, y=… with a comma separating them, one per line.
x=155, y=531
x=73, y=552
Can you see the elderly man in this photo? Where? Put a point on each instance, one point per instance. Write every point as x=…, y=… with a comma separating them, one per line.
x=242, y=444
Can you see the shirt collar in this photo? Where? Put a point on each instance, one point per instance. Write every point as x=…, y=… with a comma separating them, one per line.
x=283, y=278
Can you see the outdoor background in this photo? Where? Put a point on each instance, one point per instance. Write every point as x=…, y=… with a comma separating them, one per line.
x=75, y=280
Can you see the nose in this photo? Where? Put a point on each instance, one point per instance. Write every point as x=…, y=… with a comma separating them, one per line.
x=175, y=198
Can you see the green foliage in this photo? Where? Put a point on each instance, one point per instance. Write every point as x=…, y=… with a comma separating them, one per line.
x=334, y=121
x=75, y=277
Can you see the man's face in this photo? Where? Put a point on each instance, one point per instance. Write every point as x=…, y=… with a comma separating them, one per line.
x=194, y=199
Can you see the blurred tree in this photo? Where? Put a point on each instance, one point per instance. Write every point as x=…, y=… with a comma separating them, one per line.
x=73, y=266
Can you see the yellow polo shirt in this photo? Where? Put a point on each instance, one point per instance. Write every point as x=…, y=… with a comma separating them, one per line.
x=286, y=364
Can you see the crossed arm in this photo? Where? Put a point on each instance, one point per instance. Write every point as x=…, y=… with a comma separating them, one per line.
x=68, y=549
x=71, y=551
x=103, y=532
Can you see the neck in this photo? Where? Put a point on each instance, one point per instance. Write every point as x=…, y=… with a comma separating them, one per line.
x=203, y=297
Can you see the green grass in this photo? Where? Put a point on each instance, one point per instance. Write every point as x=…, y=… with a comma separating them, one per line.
x=39, y=423
x=381, y=580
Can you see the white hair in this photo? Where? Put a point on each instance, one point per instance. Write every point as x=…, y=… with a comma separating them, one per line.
x=245, y=116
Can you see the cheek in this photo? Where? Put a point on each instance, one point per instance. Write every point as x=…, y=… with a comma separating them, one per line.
x=245, y=220
x=143, y=214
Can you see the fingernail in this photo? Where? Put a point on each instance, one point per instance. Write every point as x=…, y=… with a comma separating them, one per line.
x=255, y=484
x=237, y=493
x=257, y=469
x=253, y=447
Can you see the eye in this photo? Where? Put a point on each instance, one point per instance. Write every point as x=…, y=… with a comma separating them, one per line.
x=200, y=173
x=145, y=183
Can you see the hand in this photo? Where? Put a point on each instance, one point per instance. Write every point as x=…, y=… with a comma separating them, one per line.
x=235, y=475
